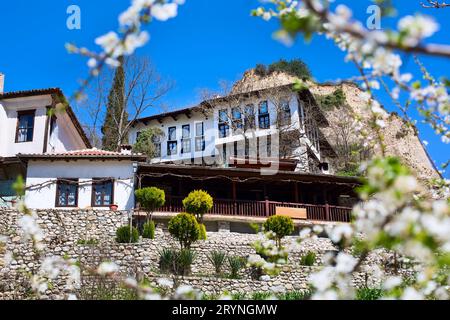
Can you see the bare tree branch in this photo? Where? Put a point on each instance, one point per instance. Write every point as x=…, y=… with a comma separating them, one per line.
x=428, y=49
x=144, y=89
x=434, y=4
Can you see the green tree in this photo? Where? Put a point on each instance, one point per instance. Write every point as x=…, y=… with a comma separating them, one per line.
x=185, y=228
x=281, y=226
x=116, y=113
x=198, y=202
x=150, y=199
x=145, y=143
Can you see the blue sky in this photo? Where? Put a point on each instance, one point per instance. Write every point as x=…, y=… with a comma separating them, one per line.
x=208, y=41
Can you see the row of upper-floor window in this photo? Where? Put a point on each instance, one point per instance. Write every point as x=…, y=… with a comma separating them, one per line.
x=243, y=119
x=185, y=141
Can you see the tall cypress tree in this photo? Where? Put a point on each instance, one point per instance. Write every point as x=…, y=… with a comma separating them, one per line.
x=115, y=120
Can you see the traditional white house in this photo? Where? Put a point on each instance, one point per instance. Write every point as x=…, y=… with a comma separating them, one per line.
x=42, y=140
x=31, y=123
x=88, y=178
x=233, y=130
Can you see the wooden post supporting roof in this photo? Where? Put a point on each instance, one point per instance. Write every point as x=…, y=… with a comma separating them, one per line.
x=296, y=192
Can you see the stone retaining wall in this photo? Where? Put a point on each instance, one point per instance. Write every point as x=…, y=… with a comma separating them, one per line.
x=64, y=230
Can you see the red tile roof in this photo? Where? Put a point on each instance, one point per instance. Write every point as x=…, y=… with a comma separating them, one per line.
x=91, y=154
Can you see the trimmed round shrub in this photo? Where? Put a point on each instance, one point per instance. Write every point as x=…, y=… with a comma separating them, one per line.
x=150, y=199
x=198, y=202
x=280, y=225
x=148, y=230
x=184, y=227
x=123, y=235
x=202, y=232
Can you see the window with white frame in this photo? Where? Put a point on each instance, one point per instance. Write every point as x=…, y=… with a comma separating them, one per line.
x=237, y=120
x=186, y=138
x=199, y=137
x=263, y=115
x=224, y=127
x=172, y=141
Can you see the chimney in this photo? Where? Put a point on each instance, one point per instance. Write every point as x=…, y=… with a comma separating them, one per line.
x=2, y=82
x=125, y=149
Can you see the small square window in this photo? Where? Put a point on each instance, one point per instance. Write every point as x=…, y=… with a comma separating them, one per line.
x=25, y=126
x=199, y=144
x=172, y=133
x=66, y=192
x=186, y=131
x=224, y=130
x=185, y=145
x=263, y=107
x=171, y=148
x=223, y=116
x=199, y=131
x=102, y=192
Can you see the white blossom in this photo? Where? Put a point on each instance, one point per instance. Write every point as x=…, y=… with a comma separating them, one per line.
x=412, y=294
x=164, y=282
x=417, y=27
x=164, y=12
x=106, y=268
x=109, y=42
x=345, y=263
x=339, y=232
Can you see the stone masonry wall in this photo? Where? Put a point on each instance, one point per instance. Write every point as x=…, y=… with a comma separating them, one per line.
x=64, y=230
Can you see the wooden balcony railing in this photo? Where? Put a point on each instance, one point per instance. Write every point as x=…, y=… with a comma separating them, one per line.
x=266, y=208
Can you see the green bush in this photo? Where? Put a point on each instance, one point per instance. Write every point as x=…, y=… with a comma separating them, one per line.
x=148, y=231
x=238, y=296
x=260, y=296
x=198, y=202
x=185, y=259
x=280, y=225
x=366, y=293
x=167, y=258
x=217, y=259
x=202, y=232
x=295, y=295
x=236, y=264
x=150, y=199
x=123, y=235
x=184, y=227
x=294, y=67
x=308, y=259
x=176, y=262
x=332, y=100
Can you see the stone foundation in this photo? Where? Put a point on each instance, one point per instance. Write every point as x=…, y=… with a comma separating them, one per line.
x=65, y=230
